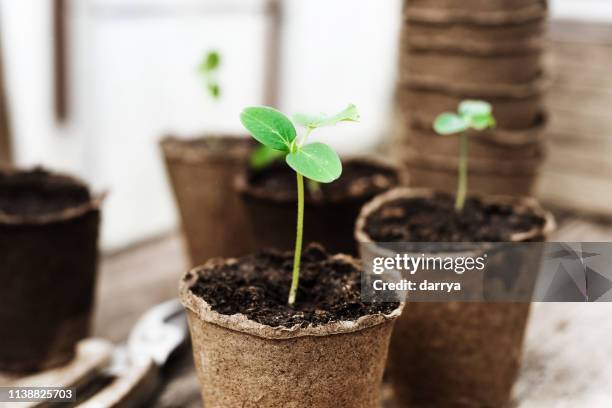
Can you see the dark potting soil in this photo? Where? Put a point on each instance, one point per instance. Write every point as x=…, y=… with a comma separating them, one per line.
x=360, y=178
x=258, y=286
x=37, y=192
x=435, y=220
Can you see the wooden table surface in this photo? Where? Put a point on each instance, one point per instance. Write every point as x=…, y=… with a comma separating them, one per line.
x=568, y=354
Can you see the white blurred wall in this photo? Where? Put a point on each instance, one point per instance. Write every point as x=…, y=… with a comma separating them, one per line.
x=133, y=79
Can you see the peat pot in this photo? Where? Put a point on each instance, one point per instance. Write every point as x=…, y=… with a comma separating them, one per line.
x=270, y=196
x=515, y=107
x=451, y=354
x=492, y=144
x=309, y=356
x=48, y=241
x=514, y=177
x=201, y=172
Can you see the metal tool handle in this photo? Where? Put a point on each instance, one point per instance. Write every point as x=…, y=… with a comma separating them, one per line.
x=133, y=388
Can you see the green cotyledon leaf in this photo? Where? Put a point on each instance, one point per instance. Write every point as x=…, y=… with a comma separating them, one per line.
x=316, y=161
x=211, y=62
x=264, y=156
x=471, y=108
x=449, y=123
x=269, y=127
x=349, y=114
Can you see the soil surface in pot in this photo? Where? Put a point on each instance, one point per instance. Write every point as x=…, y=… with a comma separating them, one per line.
x=434, y=219
x=38, y=192
x=360, y=178
x=258, y=286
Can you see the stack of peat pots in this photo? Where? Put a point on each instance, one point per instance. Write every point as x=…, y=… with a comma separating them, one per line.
x=489, y=50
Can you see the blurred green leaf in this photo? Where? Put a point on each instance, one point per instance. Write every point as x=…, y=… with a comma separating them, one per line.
x=471, y=108
x=214, y=90
x=449, y=123
x=263, y=156
x=482, y=122
x=211, y=61
x=269, y=127
x=316, y=161
x=349, y=114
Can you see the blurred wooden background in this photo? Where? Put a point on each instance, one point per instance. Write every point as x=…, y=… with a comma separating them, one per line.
x=578, y=170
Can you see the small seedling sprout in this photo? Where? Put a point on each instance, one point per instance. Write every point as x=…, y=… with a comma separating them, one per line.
x=476, y=115
x=208, y=69
x=314, y=161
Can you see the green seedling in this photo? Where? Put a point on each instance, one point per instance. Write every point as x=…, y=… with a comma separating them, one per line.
x=208, y=68
x=313, y=161
x=475, y=115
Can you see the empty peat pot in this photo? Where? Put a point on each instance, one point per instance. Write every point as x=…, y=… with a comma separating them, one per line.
x=201, y=172
x=270, y=196
x=48, y=241
x=451, y=354
x=251, y=349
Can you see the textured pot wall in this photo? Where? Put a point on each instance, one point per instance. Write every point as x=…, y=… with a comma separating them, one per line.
x=212, y=215
x=489, y=50
x=451, y=354
x=241, y=363
x=47, y=281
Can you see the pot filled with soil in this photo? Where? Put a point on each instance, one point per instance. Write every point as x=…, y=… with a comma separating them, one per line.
x=212, y=215
x=449, y=353
x=48, y=240
x=252, y=349
x=331, y=209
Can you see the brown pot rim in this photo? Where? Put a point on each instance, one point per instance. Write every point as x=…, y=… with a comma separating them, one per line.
x=241, y=323
x=485, y=18
x=525, y=203
x=242, y=186
x=182, y=150
x=475, y=47
x=92, y=205
x=471, y=90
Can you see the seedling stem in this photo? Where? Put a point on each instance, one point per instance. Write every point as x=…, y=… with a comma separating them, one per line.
x=315, y=161
x=297, y=256
x=463, y=172
x=476, y=115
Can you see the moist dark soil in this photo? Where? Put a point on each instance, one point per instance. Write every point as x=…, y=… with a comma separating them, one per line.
x=435, y=220
x=258, y=286
x=360, y=178
x=38, y=192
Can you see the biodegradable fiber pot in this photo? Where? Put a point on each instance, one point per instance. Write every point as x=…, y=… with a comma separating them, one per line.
x=493, y=144
x=271, y=200
x=514, y=177
x=451, y=354
x=212, y=215
x=315, y=363
x=516, y=107
x=454, y=33
x=475, y=12
x=488, y=5
x=48, y=241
